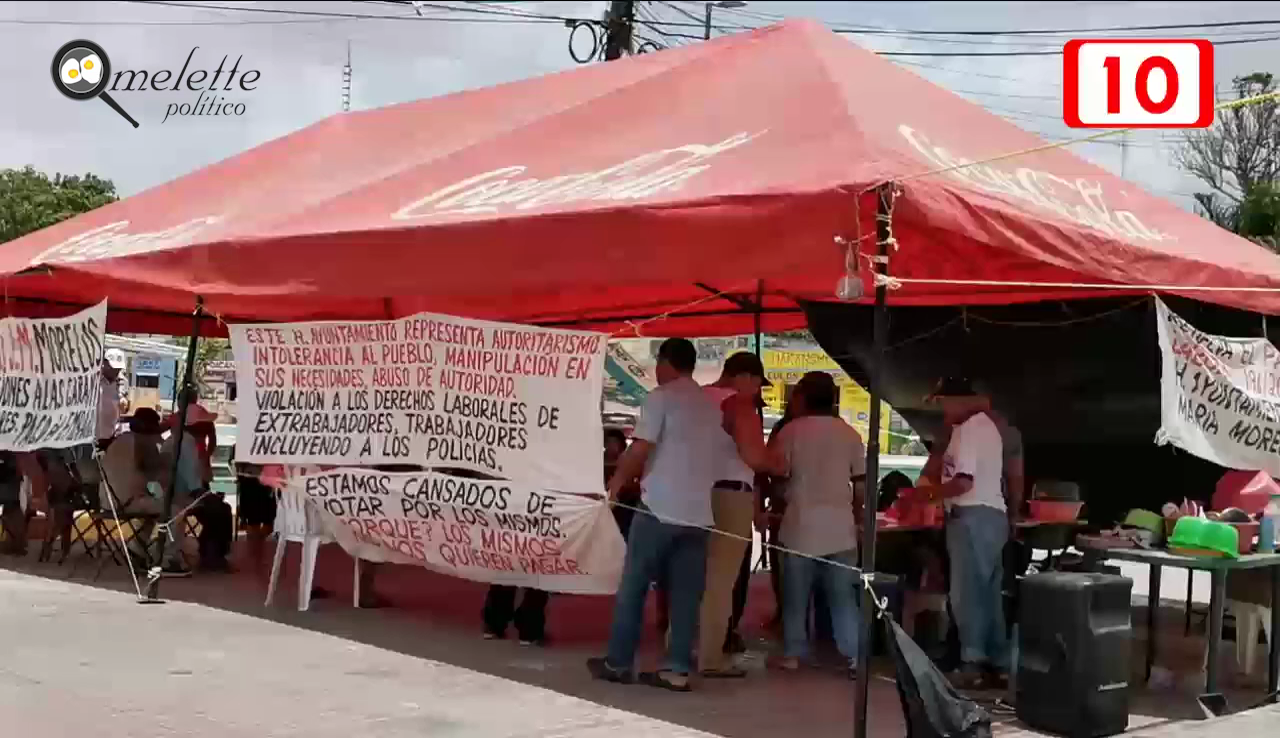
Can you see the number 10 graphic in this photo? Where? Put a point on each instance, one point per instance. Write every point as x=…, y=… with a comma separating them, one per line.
x=1137, y=83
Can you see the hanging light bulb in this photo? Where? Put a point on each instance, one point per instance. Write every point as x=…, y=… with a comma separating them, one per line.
x=850, y=286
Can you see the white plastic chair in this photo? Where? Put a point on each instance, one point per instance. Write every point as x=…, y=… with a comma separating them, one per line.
x=1250, y=618
x=296, y=522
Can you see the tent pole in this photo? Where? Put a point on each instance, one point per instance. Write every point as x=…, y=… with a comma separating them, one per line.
x=184, y=402
x=757, y=316
x=880, y=332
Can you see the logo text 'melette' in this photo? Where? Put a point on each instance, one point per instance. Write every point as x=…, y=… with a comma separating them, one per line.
x=194, y=79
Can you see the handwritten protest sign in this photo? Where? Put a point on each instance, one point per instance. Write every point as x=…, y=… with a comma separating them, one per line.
x=1219, y=397
x=487, y=531
x=429, y=390
x=50, y=373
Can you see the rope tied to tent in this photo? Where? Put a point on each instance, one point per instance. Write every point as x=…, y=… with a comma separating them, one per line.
x=1229, y=105
x=895, y=283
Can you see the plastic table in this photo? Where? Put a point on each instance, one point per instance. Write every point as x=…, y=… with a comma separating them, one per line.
x=1218, y=569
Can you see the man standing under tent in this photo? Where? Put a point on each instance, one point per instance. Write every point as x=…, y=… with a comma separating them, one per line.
x=967, y=474
x=673, y=453
x=113, y=396
x=741, y=454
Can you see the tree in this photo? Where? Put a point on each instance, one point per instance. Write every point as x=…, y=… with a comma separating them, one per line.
x=207, y=351
x=1239, y=159
x=31, y=200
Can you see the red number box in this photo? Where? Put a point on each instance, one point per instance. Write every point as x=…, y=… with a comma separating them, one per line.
x=1137, y=83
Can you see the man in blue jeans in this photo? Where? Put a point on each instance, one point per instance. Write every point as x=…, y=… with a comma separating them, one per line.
x=673, y=452
x=968, y=474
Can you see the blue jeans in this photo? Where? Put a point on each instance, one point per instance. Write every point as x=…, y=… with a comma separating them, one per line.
x=675, y=555
x=976, y=536
x=841, y=587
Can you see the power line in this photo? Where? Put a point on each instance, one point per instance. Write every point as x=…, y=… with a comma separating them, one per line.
x=1229, y=42
x=860, y=28
x=65, y=22
x=337, y=15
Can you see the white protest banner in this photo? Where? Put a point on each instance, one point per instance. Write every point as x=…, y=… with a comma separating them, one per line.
x=1219, y=397
x=50, y=370
x=487, y=531
x=428, y=390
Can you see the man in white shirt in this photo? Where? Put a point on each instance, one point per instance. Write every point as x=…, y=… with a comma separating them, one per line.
x=827, y=470
x=673, y=452
x=741, y=455
x=113, y=398
x=968, y=474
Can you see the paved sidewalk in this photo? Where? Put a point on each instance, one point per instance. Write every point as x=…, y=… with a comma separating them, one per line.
x=81, y=661
x=84, y=659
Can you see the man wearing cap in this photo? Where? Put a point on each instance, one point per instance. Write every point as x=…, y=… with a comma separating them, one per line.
x=673, y=453
x=967, y=474
x=113, y=397
x=740, y=454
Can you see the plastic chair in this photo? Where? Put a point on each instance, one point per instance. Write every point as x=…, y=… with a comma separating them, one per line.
x=296, y=522
x=1249, y=619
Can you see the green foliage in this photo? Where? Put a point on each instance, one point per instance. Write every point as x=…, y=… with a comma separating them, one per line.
x=31, y=200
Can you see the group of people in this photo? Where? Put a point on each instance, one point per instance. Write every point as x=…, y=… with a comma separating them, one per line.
x=696, y=478
x=697, y=455
x=126, y=473
x=697, y=474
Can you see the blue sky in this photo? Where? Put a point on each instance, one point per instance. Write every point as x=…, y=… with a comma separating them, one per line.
x=397, y=60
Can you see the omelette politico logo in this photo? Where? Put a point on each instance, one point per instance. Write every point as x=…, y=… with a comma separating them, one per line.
x=82, y=71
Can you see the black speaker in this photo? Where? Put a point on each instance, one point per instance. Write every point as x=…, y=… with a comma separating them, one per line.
x=1075, y=638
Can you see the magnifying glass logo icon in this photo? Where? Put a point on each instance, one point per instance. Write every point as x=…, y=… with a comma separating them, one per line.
x=81, y=70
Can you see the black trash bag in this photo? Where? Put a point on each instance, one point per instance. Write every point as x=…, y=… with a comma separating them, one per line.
x=931, y=706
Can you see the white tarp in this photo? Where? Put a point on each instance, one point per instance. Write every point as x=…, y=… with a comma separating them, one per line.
x=508, y=401
x=50, y=379
x=487, y=531
x=1219, y=397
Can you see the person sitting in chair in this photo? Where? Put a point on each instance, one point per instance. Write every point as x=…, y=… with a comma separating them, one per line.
x=135, y=474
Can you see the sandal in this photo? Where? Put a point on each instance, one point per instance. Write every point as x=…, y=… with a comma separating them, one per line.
x=726, y=672
x=601, y=670
x=662, y=680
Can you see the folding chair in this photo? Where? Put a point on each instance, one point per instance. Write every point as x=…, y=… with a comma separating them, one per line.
x=109, y=525
x=65, y=524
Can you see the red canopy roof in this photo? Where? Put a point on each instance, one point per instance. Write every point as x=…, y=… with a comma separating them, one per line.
x=631, y=189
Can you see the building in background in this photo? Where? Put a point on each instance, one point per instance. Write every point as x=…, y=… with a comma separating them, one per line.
x=151, y=370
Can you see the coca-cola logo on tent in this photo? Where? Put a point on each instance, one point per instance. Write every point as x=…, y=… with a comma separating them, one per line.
x=634, y=179
x=1079, y=200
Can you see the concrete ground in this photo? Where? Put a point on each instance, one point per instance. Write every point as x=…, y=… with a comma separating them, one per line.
x=86, y=659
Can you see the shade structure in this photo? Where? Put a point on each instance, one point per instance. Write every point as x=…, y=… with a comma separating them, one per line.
x=616, y=192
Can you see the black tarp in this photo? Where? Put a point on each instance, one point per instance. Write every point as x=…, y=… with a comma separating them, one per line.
x=931, y=706
x=1080, y=379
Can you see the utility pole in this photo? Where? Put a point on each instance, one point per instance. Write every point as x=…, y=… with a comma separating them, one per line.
x=618, y=23
x=346, y=82
x=1124, y=154
x=722, y=4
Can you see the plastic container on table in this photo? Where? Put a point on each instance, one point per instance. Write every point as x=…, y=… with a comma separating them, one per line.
x=1055, y=511
x=1196, y=536
x=1270, y=519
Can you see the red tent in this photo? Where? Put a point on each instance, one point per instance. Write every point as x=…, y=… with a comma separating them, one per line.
x=630, y=189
